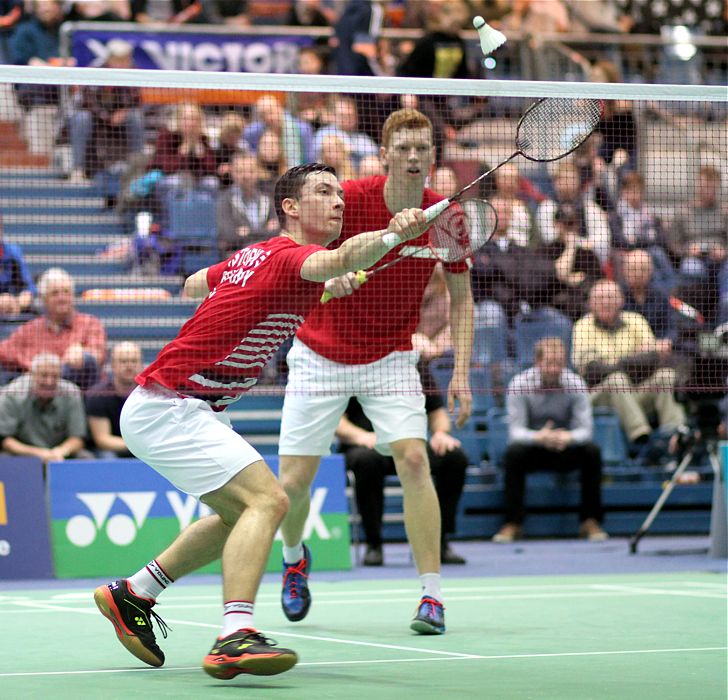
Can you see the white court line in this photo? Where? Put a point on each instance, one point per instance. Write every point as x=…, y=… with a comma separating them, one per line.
x=600, y=591
x=639, y=590
x=494, y=657
x=177, y=594
x=274, y=633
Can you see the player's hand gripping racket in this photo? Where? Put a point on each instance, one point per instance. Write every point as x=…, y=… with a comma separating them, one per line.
x=549, y=129
x=459, y=231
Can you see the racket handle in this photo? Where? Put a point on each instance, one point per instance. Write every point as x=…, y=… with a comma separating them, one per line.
x=432, y=212
x=361, y=277
x=391, y=239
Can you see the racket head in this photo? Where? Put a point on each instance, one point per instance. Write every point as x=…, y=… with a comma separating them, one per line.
x=462, y=229
x=553, y=127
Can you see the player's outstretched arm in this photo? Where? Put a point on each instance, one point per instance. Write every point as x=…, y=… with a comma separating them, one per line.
x=362, y=251
x=196, y=285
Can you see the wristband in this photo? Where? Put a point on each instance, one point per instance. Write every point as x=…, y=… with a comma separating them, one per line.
x=391, y=239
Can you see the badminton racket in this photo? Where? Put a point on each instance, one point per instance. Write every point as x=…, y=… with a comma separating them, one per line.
x=459, y=231
x=549, y=129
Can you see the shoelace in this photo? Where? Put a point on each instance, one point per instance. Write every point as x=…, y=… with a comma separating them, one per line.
x=293, y=571
x=256, y=637
x=163, y=626
x=433, y=605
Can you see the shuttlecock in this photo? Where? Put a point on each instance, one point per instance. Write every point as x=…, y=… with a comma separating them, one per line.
x=490, y=39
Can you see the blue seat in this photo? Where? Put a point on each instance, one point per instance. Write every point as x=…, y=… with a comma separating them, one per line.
x=531, y=327
x=191, y=216
x=490, y=344
x=497, y=434
x=608, y=434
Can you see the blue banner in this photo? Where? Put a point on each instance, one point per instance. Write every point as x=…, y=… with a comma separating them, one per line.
x=24, y=544
x=233, y=53
x=108, y=517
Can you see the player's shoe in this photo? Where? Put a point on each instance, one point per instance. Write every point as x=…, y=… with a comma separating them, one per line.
x=429, y=617
x=295, y=596
x=247, y=651
x=131, y=616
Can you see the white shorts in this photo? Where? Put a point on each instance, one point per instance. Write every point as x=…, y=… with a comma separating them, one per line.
x=189, y=444
x=318, y=391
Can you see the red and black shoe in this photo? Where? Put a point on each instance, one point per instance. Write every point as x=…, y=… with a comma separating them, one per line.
x=132, y=617
x=247, y=651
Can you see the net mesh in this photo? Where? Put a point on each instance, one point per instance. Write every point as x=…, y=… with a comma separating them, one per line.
x=618, y=249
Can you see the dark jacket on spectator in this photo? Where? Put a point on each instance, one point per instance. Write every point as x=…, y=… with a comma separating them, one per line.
x=168, y=159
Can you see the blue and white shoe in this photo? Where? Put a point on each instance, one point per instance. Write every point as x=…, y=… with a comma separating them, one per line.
x=429, y=617
x=295, y=596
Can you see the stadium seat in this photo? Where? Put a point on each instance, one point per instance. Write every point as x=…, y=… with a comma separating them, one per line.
x=608, y=434
x=531, y=327
x=480, y=383
x=497, y=434
x=257, y=417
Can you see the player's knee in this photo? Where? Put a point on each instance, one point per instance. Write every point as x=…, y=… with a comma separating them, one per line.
x=277, y=504
x=412, y=464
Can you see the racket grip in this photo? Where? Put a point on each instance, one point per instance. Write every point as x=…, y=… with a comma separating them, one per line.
x=432, y=212
x=361, y=277
x=391, y=239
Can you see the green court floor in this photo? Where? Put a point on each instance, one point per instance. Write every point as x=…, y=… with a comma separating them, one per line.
x=657, y=636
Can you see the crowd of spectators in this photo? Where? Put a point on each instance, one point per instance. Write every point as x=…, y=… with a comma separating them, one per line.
x=581, y=239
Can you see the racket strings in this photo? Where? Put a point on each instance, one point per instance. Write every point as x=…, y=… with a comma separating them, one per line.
x=462, y=229
x=554, y=127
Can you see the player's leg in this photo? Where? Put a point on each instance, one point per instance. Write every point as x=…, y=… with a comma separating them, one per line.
x=308, y=423
x=252, y=504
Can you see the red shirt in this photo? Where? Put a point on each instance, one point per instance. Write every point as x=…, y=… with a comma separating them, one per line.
x=258, y=300
x=380, y=317
x=42, y=335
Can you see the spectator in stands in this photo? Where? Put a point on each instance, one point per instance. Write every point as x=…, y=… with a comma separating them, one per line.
x=510, y=185
x=599, y=180
x=637, y=227
x=183, y=154
x=370, y=166
x=643, y=296
x=11, y=11
x=344, y=122
x=447, y=463
x=109, y=125
x=245, y=213
x=312, y=107
x=309, y=13
x=271, y=158
x=506, y=276
x=624, y=365
x=699, y=237
x=229, y=143
x=335, y=152
x=172, y=12
x=576, y=267
x=356, y=34
x=36, y=42
x=593, y=222
x=444, y=181
x=537, y=17
x=16, y=285
x=104, y=401
x=232, y=13
x=550, y=428
x=99, y=11
x=295, y=136
x=42, y=415
x=78, y=339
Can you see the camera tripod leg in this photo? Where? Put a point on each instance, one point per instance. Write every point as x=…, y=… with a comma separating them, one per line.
x=666, y=491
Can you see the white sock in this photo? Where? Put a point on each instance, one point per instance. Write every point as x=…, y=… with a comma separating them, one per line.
x=150, y=581
x=238, y=615
x=431, y=586
x=294, y=554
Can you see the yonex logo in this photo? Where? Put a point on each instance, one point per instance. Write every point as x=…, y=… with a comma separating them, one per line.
x=140, y=621
x=121, y=528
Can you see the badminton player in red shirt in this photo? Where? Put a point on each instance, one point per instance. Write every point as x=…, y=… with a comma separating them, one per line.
x=361, y=345
x=175, y=420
